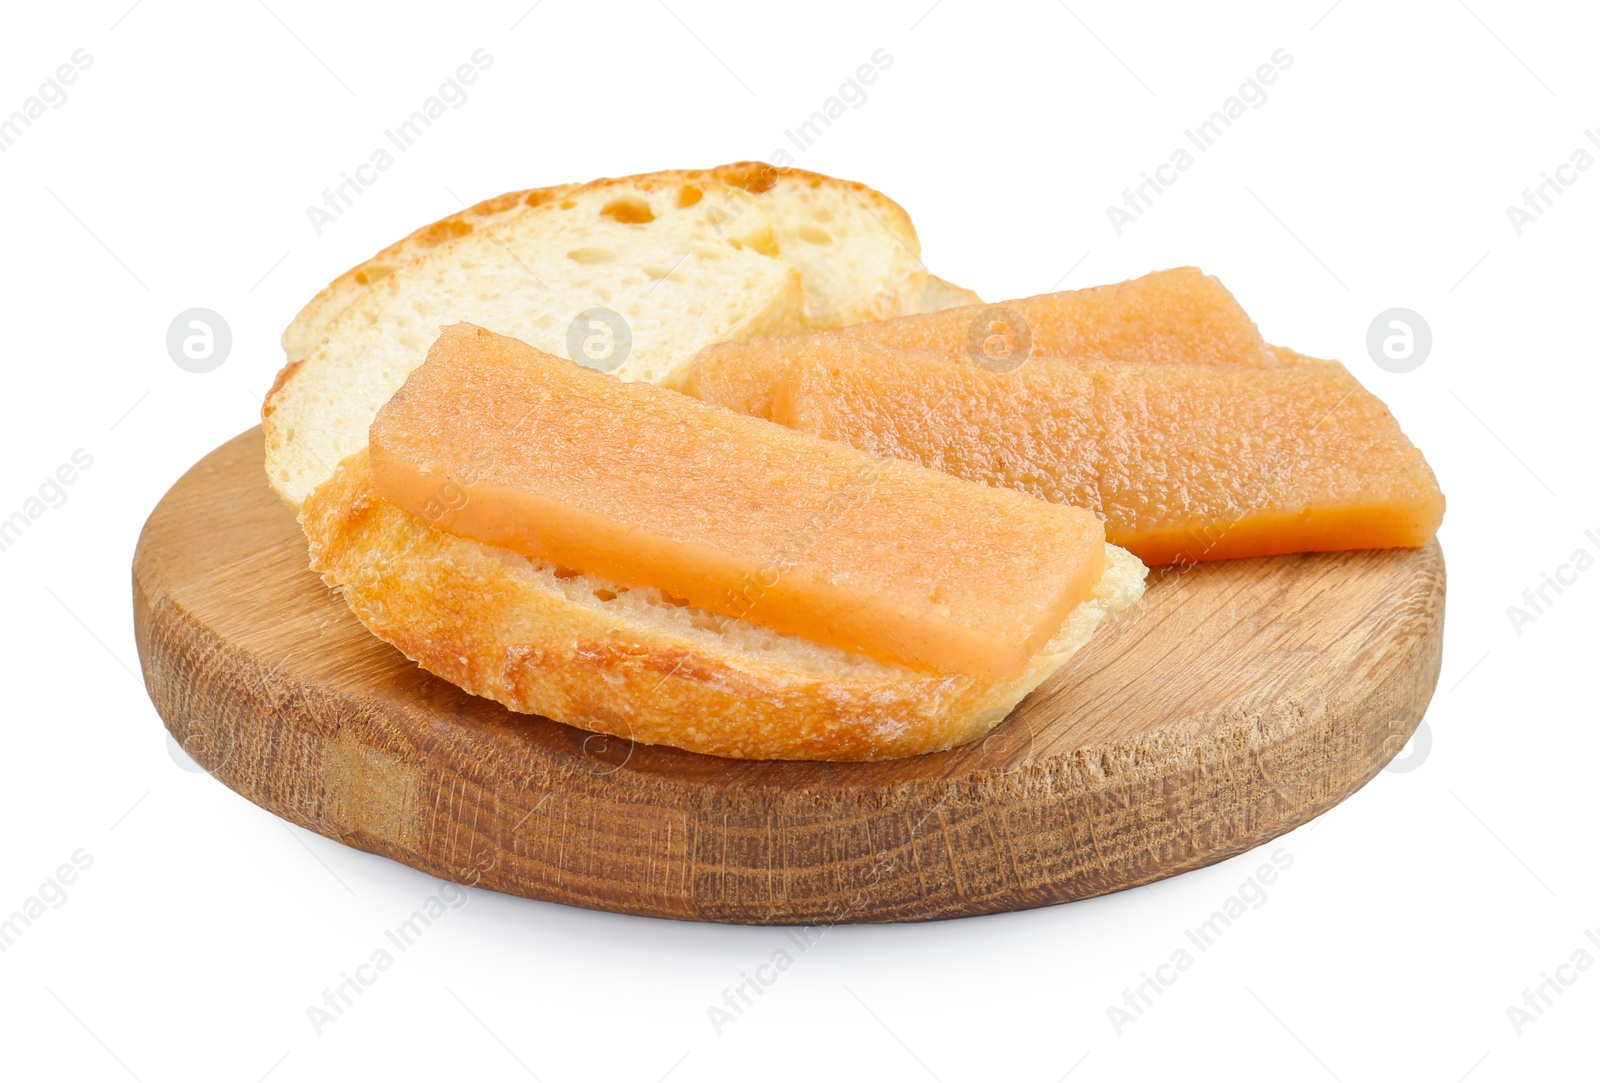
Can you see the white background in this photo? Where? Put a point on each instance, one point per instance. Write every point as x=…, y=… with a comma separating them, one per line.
x=1377, y=174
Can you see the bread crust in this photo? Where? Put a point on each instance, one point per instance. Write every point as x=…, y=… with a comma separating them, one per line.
x=542, y=641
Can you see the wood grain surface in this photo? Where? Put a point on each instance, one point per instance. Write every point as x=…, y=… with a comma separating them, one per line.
x=1238, y=700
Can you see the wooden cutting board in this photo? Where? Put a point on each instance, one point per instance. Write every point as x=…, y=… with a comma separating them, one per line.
x=1236, y=701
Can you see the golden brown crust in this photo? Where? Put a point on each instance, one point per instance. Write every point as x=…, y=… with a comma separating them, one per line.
x=544, y=642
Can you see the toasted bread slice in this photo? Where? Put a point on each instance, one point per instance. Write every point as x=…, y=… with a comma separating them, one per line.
x=683, y=265
x=856, y=249
x=629, y=661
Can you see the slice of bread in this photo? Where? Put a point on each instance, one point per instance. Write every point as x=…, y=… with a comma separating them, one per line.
x=634, y=663
x=683, y=264
x=856, y=249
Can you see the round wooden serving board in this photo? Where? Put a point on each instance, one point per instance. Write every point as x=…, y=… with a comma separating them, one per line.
x=1236, y=701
